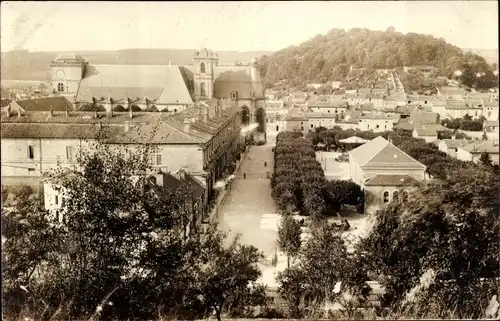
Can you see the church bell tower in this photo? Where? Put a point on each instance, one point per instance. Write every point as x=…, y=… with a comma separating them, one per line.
x=204, y=62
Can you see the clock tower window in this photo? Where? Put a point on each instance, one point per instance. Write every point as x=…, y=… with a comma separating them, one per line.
x=60, y=87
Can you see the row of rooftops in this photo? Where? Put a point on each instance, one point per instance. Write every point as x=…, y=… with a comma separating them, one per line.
x=205, y=119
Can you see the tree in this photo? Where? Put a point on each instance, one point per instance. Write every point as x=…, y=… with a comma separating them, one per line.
x=289, y=236
x=324, y=257
x=486, y=159
x=29, y=239
x=291, y=287
x=338, y=192
x=405, y=247
x=228, y=275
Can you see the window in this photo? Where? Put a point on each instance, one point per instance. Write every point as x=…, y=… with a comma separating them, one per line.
x=377, y=126
x=386, y=197
x=69, y=152
x=336, y=111
x=155, y=156
x=328, y=110
x=56, y=200
x=31, y=152
x=395, y=196
x=404, y=196
x=202, y=67
x=301, y=127
x=202, y=90
x=312, y=125
x=489, y=114
x=60, y=87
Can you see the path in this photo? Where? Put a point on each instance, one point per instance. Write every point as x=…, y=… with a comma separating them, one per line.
x=249, y=209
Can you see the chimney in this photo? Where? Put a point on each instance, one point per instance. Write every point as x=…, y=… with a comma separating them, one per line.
x=159, y=178
x=181, y=174
x=127, y=126
x=204, y=115
x=211, y=111
x=187, y=125
x=8, y=111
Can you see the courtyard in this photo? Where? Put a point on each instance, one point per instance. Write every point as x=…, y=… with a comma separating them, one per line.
x=332, y=168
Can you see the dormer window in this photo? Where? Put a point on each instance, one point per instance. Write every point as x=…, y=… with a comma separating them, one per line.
x=202, y=67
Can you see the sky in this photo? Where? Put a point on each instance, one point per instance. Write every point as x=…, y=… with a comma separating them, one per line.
x=238, y=26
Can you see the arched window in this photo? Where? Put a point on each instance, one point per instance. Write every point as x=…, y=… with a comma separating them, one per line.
x=60, y=87
x=395, y=196
x=404, y=196
x=202, y=67
x=386, y=197
x=203, y=93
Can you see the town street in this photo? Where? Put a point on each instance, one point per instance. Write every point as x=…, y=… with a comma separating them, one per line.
x=249, y=209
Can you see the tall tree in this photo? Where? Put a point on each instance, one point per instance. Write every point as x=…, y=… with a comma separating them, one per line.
x=229, y=274
x=289, y=237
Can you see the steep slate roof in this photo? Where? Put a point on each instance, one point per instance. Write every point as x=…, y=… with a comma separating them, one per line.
x=426, y=132
x=311, y=114
x=56, y=131
x=454, y=143
x=392, y=180
x=453, y=105
x=44, y=104
x=159, y=132
x=380, y=152
x=172, y=182
x=229, y=79
x=491, y=123
x=378, y=116
x=329, y=104
x=488, y=103
x=424, y=117
x=166, y=84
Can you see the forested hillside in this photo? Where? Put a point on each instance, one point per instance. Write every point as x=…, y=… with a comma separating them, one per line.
x=328, y=57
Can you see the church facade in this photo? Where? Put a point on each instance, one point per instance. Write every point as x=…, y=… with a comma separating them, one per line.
x=168, y=88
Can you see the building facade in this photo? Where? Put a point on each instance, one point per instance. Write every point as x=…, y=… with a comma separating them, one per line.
x=378, y=167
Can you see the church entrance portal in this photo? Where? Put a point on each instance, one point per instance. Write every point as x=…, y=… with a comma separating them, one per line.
x=261, y=120
x=245, y=116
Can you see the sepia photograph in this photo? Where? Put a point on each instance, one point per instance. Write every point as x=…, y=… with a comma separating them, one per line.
x=250, y=160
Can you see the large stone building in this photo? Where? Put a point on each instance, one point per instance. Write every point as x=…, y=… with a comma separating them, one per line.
x=160, y=87
x=384, y=172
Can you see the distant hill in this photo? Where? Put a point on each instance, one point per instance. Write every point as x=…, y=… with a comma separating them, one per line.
x=491, y=55
x=25, y=65
x=328, y=57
